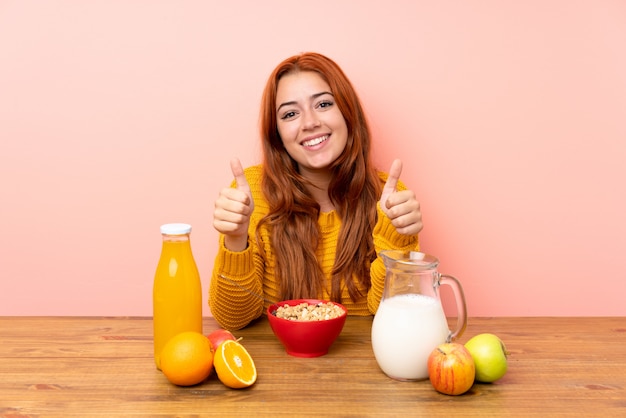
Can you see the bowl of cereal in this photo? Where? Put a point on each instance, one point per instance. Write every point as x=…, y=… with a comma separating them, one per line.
x=307, y=327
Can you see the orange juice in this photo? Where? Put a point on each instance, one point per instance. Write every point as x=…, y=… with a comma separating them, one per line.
x=177, y=293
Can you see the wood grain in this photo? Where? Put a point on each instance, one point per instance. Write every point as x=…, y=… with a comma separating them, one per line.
x=72, y=366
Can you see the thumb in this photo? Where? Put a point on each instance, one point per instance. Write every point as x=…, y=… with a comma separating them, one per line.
x=392, y=179
x=240, y=178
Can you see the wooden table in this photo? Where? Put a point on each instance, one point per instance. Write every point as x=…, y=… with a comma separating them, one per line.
x=71, y=366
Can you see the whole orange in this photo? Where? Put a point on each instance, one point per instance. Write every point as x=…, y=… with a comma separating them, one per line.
x=187, y=358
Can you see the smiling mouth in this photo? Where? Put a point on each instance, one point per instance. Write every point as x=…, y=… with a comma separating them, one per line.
x=315, y=141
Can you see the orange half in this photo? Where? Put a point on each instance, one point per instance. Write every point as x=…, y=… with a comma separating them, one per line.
x=234, y=365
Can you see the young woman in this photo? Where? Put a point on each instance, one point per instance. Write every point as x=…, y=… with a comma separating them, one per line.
x=310, y=221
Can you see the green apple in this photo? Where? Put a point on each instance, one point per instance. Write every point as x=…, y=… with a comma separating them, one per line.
x=490, y=357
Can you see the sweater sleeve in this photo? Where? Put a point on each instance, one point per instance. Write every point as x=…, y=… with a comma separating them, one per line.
x=385, y=238
x=235, y=293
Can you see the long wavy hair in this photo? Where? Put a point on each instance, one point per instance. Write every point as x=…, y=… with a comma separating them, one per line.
x=293, y=213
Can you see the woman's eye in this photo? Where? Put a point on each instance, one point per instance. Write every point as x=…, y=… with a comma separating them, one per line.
x=325, y=103
x=288, y=115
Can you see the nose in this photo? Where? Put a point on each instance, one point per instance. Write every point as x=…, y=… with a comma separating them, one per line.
x=310, y=120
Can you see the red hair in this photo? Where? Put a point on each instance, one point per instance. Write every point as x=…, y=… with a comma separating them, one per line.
x=354, y=190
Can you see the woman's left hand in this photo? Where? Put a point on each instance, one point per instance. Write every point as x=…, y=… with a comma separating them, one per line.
x=401, y=206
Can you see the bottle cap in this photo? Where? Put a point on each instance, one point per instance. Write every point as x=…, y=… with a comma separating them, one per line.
x=175, y=229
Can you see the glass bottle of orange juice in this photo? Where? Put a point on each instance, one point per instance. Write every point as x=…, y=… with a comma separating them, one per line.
x=177, y=291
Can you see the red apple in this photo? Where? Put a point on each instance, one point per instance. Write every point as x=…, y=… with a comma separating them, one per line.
x=451, y=369
x=219, y=336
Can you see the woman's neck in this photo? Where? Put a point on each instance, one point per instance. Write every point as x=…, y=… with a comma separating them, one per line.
x=320, y=180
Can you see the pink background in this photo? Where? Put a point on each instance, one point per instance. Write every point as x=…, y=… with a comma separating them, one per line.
x=118, y=116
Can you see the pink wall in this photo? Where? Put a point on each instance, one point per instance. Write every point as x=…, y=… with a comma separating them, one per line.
x=118, y=116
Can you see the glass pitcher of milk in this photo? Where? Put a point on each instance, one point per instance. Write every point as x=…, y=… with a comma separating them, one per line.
x=410, y=322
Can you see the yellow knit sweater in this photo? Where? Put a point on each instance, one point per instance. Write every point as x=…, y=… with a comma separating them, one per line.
x=243, y=283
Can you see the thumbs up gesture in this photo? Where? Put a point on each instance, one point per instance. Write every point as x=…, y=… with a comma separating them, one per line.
x=400, y=206
x=233, y=208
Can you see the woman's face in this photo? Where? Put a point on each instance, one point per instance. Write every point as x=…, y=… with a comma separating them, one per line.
x=313, y=130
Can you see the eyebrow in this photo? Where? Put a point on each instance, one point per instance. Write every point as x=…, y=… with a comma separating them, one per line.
x=314, y=96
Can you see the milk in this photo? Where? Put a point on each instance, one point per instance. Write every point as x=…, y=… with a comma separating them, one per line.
x=406, y=329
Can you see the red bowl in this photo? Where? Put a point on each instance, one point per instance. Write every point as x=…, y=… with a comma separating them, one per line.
x=306, y=338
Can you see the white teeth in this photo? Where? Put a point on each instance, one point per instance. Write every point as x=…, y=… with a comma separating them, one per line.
x=315, y=141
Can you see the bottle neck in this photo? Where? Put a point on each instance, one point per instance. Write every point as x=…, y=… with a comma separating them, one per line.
x=175, y=238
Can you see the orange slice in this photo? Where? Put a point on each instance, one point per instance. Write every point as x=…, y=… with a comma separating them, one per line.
x=234, y=365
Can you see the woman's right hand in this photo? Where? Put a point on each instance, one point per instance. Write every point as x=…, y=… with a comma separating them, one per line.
x=233, y=208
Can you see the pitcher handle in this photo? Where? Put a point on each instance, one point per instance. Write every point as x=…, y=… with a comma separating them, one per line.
x=461, y=308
